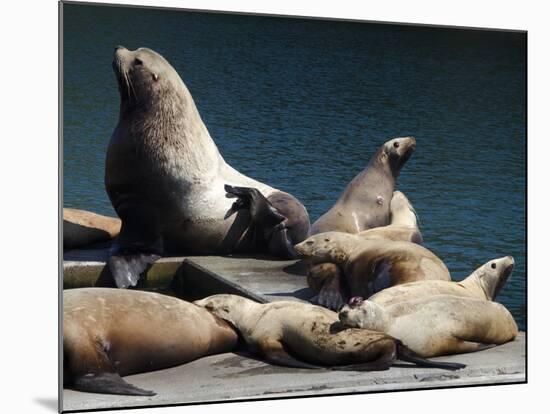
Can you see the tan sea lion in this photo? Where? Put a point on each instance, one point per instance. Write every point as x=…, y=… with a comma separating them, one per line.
x=435, y=325
x=82, y=228
x=110, y=333
x=403, y=227
x=302, y=335
x=369, y=265
x=403, y=223
x=365, y=203
x=171, y=186
x=484, y=283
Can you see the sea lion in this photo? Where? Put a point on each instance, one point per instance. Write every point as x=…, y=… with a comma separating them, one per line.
x=403, y=223
x=110, y=333
x=403, y=227
x=302, y=335
x=82, y=228
x=484, y=283
x=368, y=265
x=365, y=203
x=435, y=325
x=171, y=186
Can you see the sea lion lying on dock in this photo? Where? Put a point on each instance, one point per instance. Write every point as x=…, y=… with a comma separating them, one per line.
x=82, y=228
x=484, y=283
x=110, y=333
x=403, y=227
x=366, y=266
x=301, y=335
x=435, y=325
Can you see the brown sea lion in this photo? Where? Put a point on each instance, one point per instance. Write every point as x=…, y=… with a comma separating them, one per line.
x=436, y=325
x=484, y=283
x=302, y=335
x=171, y=186
x=324, y=278
x=82, y=228
x=369, y=265
x=365, y=203
x=110, y=333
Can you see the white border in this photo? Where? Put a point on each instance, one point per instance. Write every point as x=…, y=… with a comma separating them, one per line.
x=29, y=185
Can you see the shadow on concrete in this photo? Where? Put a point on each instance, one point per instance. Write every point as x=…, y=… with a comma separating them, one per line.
x=299, y=268
x=304, y=294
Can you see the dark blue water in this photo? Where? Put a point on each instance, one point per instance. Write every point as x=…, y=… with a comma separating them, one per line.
x=303, y=104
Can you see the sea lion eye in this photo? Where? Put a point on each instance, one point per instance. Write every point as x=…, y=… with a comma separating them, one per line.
x=327, y=240
x=493, y=265
x=396, y=144
x=138, y=62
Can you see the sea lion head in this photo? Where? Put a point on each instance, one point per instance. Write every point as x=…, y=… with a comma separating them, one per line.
x=396, y=152
x=331, y=246
x=493, y=275
x=144, y=77
x=360, y=313
x=225, y=306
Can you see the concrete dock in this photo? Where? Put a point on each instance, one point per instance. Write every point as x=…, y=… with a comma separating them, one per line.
x=233, y=376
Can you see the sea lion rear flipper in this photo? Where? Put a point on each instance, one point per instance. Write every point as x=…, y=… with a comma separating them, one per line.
x=87, y=367
x=108, y=383
x=406, y=354
x=274, y=352
x=268, y=222
x=280, y=244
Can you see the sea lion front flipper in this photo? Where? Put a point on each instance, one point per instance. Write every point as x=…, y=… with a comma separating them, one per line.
x=463, y=347
x=332, y=295
x=108, y=383
x=274, y=352
x=127, y=269
x=138, y=245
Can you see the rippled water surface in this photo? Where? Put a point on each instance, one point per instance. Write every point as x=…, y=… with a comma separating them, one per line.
x=303, y=104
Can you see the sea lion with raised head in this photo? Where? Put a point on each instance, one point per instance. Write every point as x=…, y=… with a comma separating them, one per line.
x=171, y=186
x=110, y=333
x=368, y=265
x=297, y=334
x=365, y=203
x=484, y=283
x=435, y=325
x=403, y=223
x=83, y=228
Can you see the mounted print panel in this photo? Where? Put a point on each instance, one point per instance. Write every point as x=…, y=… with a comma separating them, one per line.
x=260, y=207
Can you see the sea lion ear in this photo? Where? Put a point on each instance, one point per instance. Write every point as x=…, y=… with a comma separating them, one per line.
x=383, y=156
x=155, y=77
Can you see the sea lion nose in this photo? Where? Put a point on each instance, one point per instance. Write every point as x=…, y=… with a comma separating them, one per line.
x=119, y=47
x=355, y=301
